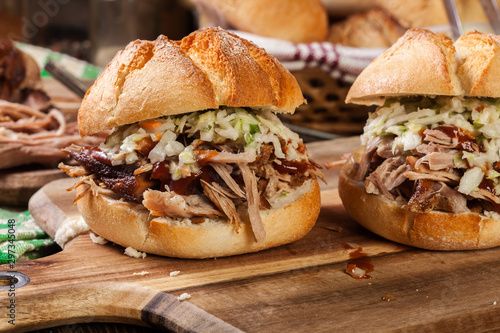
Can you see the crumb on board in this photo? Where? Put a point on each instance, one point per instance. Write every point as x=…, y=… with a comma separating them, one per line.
x=69, y=230
x=174, y=273
x=184, y=296
x=98, y=239
x=131, y=252
x=140, y=273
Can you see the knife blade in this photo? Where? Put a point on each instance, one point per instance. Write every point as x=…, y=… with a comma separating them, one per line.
x=492, y=12
x=455, y=22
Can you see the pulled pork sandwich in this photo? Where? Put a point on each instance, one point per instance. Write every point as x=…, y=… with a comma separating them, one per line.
x=198, y=164
x=428, y=171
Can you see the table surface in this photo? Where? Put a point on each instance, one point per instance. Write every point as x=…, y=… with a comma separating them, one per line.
x=409, y=290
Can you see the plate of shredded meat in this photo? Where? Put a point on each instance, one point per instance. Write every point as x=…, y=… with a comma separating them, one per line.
x=33, y=129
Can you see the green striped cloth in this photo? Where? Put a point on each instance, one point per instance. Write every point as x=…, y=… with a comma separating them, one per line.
x=21, y=238
x=79, y=68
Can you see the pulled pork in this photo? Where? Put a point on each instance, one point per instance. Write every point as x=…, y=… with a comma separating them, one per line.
x=426, y=177
x=231, y=184
x=31, y=130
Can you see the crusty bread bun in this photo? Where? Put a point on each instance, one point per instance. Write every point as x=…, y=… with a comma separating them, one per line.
x=420, y=63
x=443, y=85
x=417, y=13
x=298, y=21
x=130, y=224
x=374, y=28
x=431, y=13
x=430, y=230
x=478, y=56
x=208, y=68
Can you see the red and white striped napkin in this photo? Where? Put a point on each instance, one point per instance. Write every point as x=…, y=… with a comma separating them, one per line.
x=341, y=62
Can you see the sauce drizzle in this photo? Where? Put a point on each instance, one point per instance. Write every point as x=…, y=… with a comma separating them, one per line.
x=359, y=264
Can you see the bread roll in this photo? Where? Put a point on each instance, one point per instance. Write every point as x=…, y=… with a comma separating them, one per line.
x=181, y=77
x=374, y=28
x=417, y=13
x=221, y=175
x=298, y=21
x=420, y=63
x=131, y=225
x=430, y=13
x=478, y=56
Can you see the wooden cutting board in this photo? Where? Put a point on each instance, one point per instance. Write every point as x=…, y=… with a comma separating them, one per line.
x=297, y=287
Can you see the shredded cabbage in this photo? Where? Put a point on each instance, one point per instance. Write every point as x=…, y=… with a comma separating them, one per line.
x=406, y=119
x=471, y=180
x=248, y=128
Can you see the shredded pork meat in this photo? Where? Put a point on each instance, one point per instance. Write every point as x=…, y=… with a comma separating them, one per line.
x=253, y=202
x=220, y=198
x=32, y=131
x=172, y=204
x=425, y=177
x=224, y=171
x=226, y=186
x=29, y=136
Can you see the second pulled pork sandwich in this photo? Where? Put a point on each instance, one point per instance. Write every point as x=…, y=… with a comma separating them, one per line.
x=428, y=171
x=198, y=164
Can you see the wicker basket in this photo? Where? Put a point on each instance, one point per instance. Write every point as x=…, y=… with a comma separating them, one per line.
x=325, y=109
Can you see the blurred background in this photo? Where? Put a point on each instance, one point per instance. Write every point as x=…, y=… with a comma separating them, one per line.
x=324, y=43
x=359, y=30
x=83, y=28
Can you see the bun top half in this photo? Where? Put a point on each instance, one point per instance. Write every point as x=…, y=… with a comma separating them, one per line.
x=206, y=69
x=422, y=63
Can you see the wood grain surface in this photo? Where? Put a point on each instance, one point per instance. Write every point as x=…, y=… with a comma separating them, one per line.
x=294, y=288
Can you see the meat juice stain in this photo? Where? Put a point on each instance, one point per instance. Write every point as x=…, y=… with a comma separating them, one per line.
x=358, y=261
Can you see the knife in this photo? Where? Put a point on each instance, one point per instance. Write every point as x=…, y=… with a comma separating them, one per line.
x=491, y=10
x=66, y=78
x=455, y=22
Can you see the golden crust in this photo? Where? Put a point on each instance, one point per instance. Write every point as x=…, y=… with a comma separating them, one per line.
x=131, y=225
x=428, y=64
x=305, y=21
x=432, y=230
x=373, y=28
x=206, y=69
x=419, y=63
x=479, y=63
x=416, y=13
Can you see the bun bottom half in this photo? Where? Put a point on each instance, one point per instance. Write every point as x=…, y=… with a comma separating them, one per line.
x=131, y=225
x=433, y=230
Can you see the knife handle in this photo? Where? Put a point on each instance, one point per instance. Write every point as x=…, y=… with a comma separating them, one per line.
x=107, y=302
x=167, y=312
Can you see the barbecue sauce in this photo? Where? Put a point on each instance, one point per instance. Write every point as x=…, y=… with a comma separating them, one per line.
x=466, y=140
x=290, y=167
x=360, y=260
x=182, y=186
x=161, y=172
x=488, y=185
x=97, y=154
